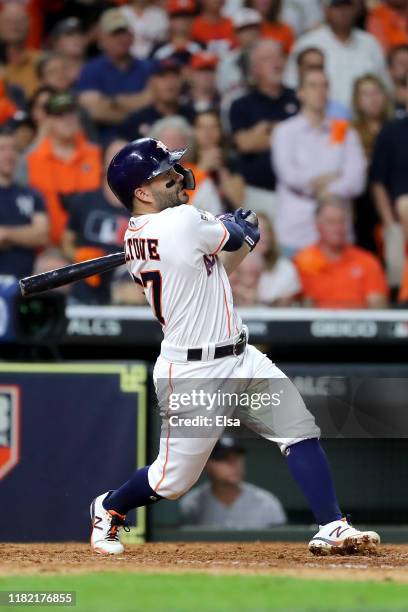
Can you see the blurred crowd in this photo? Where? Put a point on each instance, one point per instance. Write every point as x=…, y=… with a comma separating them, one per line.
x=297, y=109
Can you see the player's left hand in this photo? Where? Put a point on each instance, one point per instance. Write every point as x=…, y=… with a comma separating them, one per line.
x=248, y=221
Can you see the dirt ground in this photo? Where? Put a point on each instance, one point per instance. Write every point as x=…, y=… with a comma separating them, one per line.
x=274, y=558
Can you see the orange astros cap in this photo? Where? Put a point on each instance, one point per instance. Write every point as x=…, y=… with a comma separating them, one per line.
x=204, y=60
x=181, y=7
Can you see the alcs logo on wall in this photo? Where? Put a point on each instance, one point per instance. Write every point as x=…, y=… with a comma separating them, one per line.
x=9, y=428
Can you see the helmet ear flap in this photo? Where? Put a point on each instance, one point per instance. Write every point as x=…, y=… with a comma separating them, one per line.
x=188, y=176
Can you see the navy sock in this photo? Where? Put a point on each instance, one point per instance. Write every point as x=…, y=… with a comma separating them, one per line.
x=309, y=467
x=134, y=493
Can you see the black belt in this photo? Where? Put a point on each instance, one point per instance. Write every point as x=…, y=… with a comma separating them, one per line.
x=196, y=354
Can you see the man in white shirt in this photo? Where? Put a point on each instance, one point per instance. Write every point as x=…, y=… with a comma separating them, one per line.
x=302, y=15
x=349, y=52
x=148, y=23
x=313, y=157
x=232, y=70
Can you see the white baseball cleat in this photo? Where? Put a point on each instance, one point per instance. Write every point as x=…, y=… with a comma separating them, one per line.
x=340, y=538
x=106, y=525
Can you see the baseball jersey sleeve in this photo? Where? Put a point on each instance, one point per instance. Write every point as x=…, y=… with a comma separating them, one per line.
x=207, y=232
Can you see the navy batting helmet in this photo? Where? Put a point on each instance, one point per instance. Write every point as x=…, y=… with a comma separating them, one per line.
x=140, y=161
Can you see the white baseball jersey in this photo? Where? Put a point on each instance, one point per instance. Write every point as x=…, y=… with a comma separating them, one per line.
x=173, y=256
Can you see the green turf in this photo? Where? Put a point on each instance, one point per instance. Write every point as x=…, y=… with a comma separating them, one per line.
x=111, y=592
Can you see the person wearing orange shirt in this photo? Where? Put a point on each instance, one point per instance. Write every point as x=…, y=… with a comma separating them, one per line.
x=388, y=22
x=336, y=274
x=64, y=162
x=212, y=29
x=272, y=27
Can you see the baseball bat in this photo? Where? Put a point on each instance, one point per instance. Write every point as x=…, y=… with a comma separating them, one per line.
x=69, y=274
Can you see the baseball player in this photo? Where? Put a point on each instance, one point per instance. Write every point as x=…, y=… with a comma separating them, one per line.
x=182, y=257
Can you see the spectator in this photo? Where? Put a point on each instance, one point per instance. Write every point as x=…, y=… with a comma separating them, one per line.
x=302, y=16
x=389, y=178
x=335, y=274
x=279, y=284
x=349, y=52
x=73, y=164
x=227, y=501
x=233, y=68
x=149, y=25
x=24, y=131
x=68, y=39
x=166, y=86
x=313, y=157
x=211, y=160
x=38, y=114
x=179, y=45
x=51, y=259
x=203, y=94
x=20, y=62
x=253, y=118
x=310, y=58
x=96, y=227
x=371, y=108
x=23, y=220
x=48, y=259
x=213, y=30
x=388, y=22
x=113, y=85
x=245, y=280
x=53, y=71
x=398, y=67
x=176, y=133
x=272, y=26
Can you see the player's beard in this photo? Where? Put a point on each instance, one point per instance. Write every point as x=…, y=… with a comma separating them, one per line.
x=171, y=197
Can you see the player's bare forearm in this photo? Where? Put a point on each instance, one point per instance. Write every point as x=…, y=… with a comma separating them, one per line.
x=231, y=260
